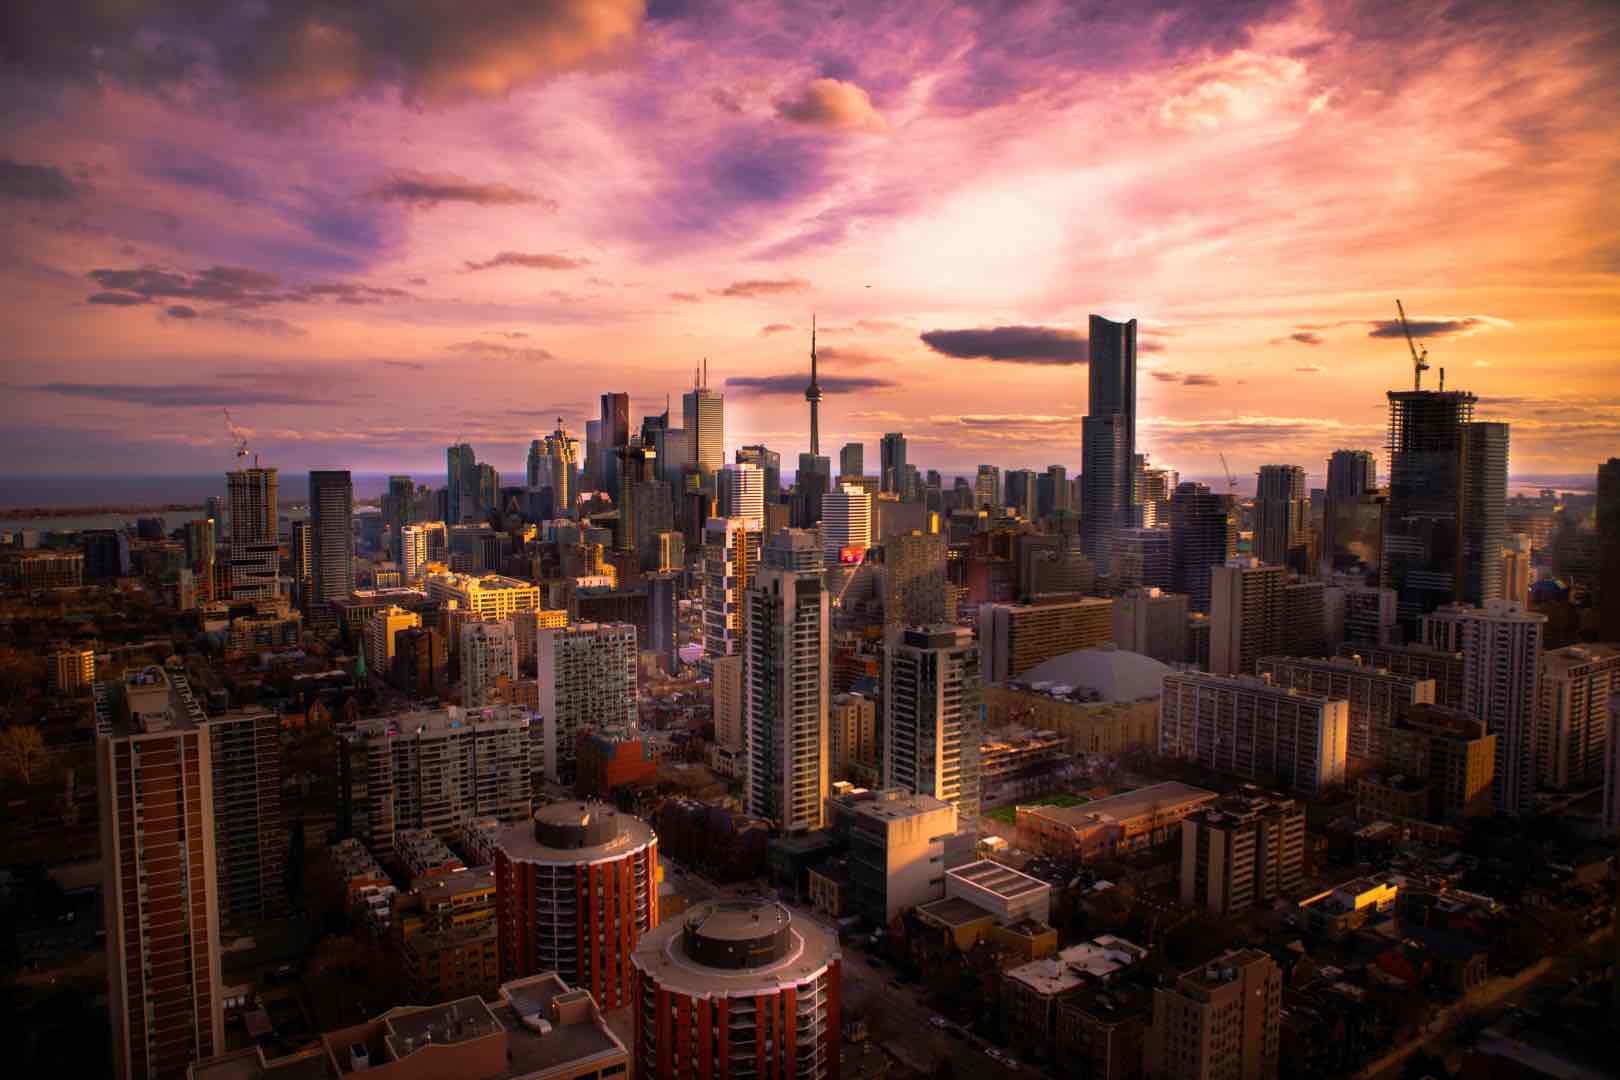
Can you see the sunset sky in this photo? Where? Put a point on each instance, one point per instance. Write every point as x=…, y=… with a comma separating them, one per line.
x=371, y=234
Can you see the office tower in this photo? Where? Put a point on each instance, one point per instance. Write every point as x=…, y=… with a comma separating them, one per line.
x=987, y=487
x=1378, y=698
x=1245, y=615
x=810, y=486
x=1202, y=537
x=301, y=548
x=1608, y=532
x=461, y=484
x=703, y=419
x=381, y=629
x=728, y=701
x=331, y=535
x=1369, y=615
x=916, y=590
x=1220, y=1021
x=1281, y=516
x=489, y=490
x=770, y=463
x=765, y=979
x=1108, y=439
x=249, y=842
x=613, y=432
x=1153, y=623
x=663, y=620
x=1052, y=491
x=785, y=689
x=1243, y=725
x=1445, y=521
x=534, y=468
x=202, y=549
x=1015, y=637
x=846, y=525
x=741, y=494
x=155, y=798
x=576, y=888
x=931, y=716
x=892, y=455
x=851, y=734
x=593, y=454
x=398, y=509
x=436, y=769
x=1452, y=753
x=413, y=554
x=486, y=596
x=1021, y=493
x=1485, y=476
x=1143, y=559
x=587, y=677
x=72, y=670
x=1501, y=646
x=106, y=553
x=1518, y=573
x=1572, y=721
x=635, y=476
x=1351, y=473
x=255, y=550
x=488, y=662
x=421, y=662
x=852, y=460
x=1242, y=851
x=1154, y=487
x=731, y=552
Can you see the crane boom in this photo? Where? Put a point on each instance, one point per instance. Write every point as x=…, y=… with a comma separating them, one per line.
x=1420, y=353
x=1231, y=481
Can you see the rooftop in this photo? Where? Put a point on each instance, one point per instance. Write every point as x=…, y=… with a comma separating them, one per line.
x=890, y=804
x=434, y=722
x=756, y=946
x=1078, y=965
x=953, y=911
x=578, y=1034
x=1170, y=795
x=1003, y=881
x=1102, y=675
x=573, y=832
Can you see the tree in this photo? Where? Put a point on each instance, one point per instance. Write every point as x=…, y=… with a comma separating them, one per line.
x=22, y=753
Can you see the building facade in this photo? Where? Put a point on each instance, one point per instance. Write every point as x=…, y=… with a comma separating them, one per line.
x=933, y=720
x=1244, y=850
x=576, y=890
x=1016, y=637
x=1246, y=726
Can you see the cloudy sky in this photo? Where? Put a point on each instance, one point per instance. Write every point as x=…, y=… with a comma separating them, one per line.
x=373, y=229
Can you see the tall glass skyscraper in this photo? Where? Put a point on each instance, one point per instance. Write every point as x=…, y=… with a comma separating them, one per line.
x=1108, y=439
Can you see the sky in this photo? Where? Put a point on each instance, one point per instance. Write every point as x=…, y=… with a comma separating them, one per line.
x=373, y=230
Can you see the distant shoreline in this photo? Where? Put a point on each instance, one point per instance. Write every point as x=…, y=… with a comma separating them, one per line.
x=14, y=513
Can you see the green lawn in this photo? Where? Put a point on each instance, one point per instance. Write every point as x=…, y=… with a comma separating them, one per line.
x=1008, y=815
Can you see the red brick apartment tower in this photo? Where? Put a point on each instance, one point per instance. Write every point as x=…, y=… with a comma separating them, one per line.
x=155, y=788
x=574, y=894
x=738, y=988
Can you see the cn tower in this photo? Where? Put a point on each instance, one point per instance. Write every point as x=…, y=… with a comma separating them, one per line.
x=812, y=394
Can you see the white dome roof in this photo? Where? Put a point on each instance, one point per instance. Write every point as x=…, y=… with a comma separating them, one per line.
x=1114, y=675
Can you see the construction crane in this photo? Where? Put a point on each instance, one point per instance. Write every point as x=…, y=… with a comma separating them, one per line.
x=1231, y=481
x=238, y=437
x=1420, y=353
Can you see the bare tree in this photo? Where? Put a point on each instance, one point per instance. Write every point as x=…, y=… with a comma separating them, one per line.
x=22, y=753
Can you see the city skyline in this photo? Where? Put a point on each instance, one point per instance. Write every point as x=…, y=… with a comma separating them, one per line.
x=372, y=261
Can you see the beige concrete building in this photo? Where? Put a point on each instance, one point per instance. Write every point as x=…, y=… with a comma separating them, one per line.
x=380, y=633
x=1378, y=699
x=1221, y=1021
x=1450, y=752
x=155, y=797
x=1572, y=723
x=1245, y=602
x=1242, y=851
x=1252, y=728
x=1152, y=622
x=1016, y=637
x=728, y=703
x=488, y=596
x=897, y=849
x=851, y=734
x=488, y=662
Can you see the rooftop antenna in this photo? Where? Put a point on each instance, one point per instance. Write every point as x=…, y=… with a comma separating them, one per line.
x=705, y=372
x=1442, y=380
x=1420, y=353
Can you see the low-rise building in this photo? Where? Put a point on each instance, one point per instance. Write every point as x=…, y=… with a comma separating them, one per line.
x=1030, y=993
x=538, y=1028
x=900, y=845
x=1347, y=907
x=1107, y=827
x=1005, y=893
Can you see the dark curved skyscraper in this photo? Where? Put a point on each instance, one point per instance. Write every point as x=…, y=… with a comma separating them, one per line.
x=1108, y=439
